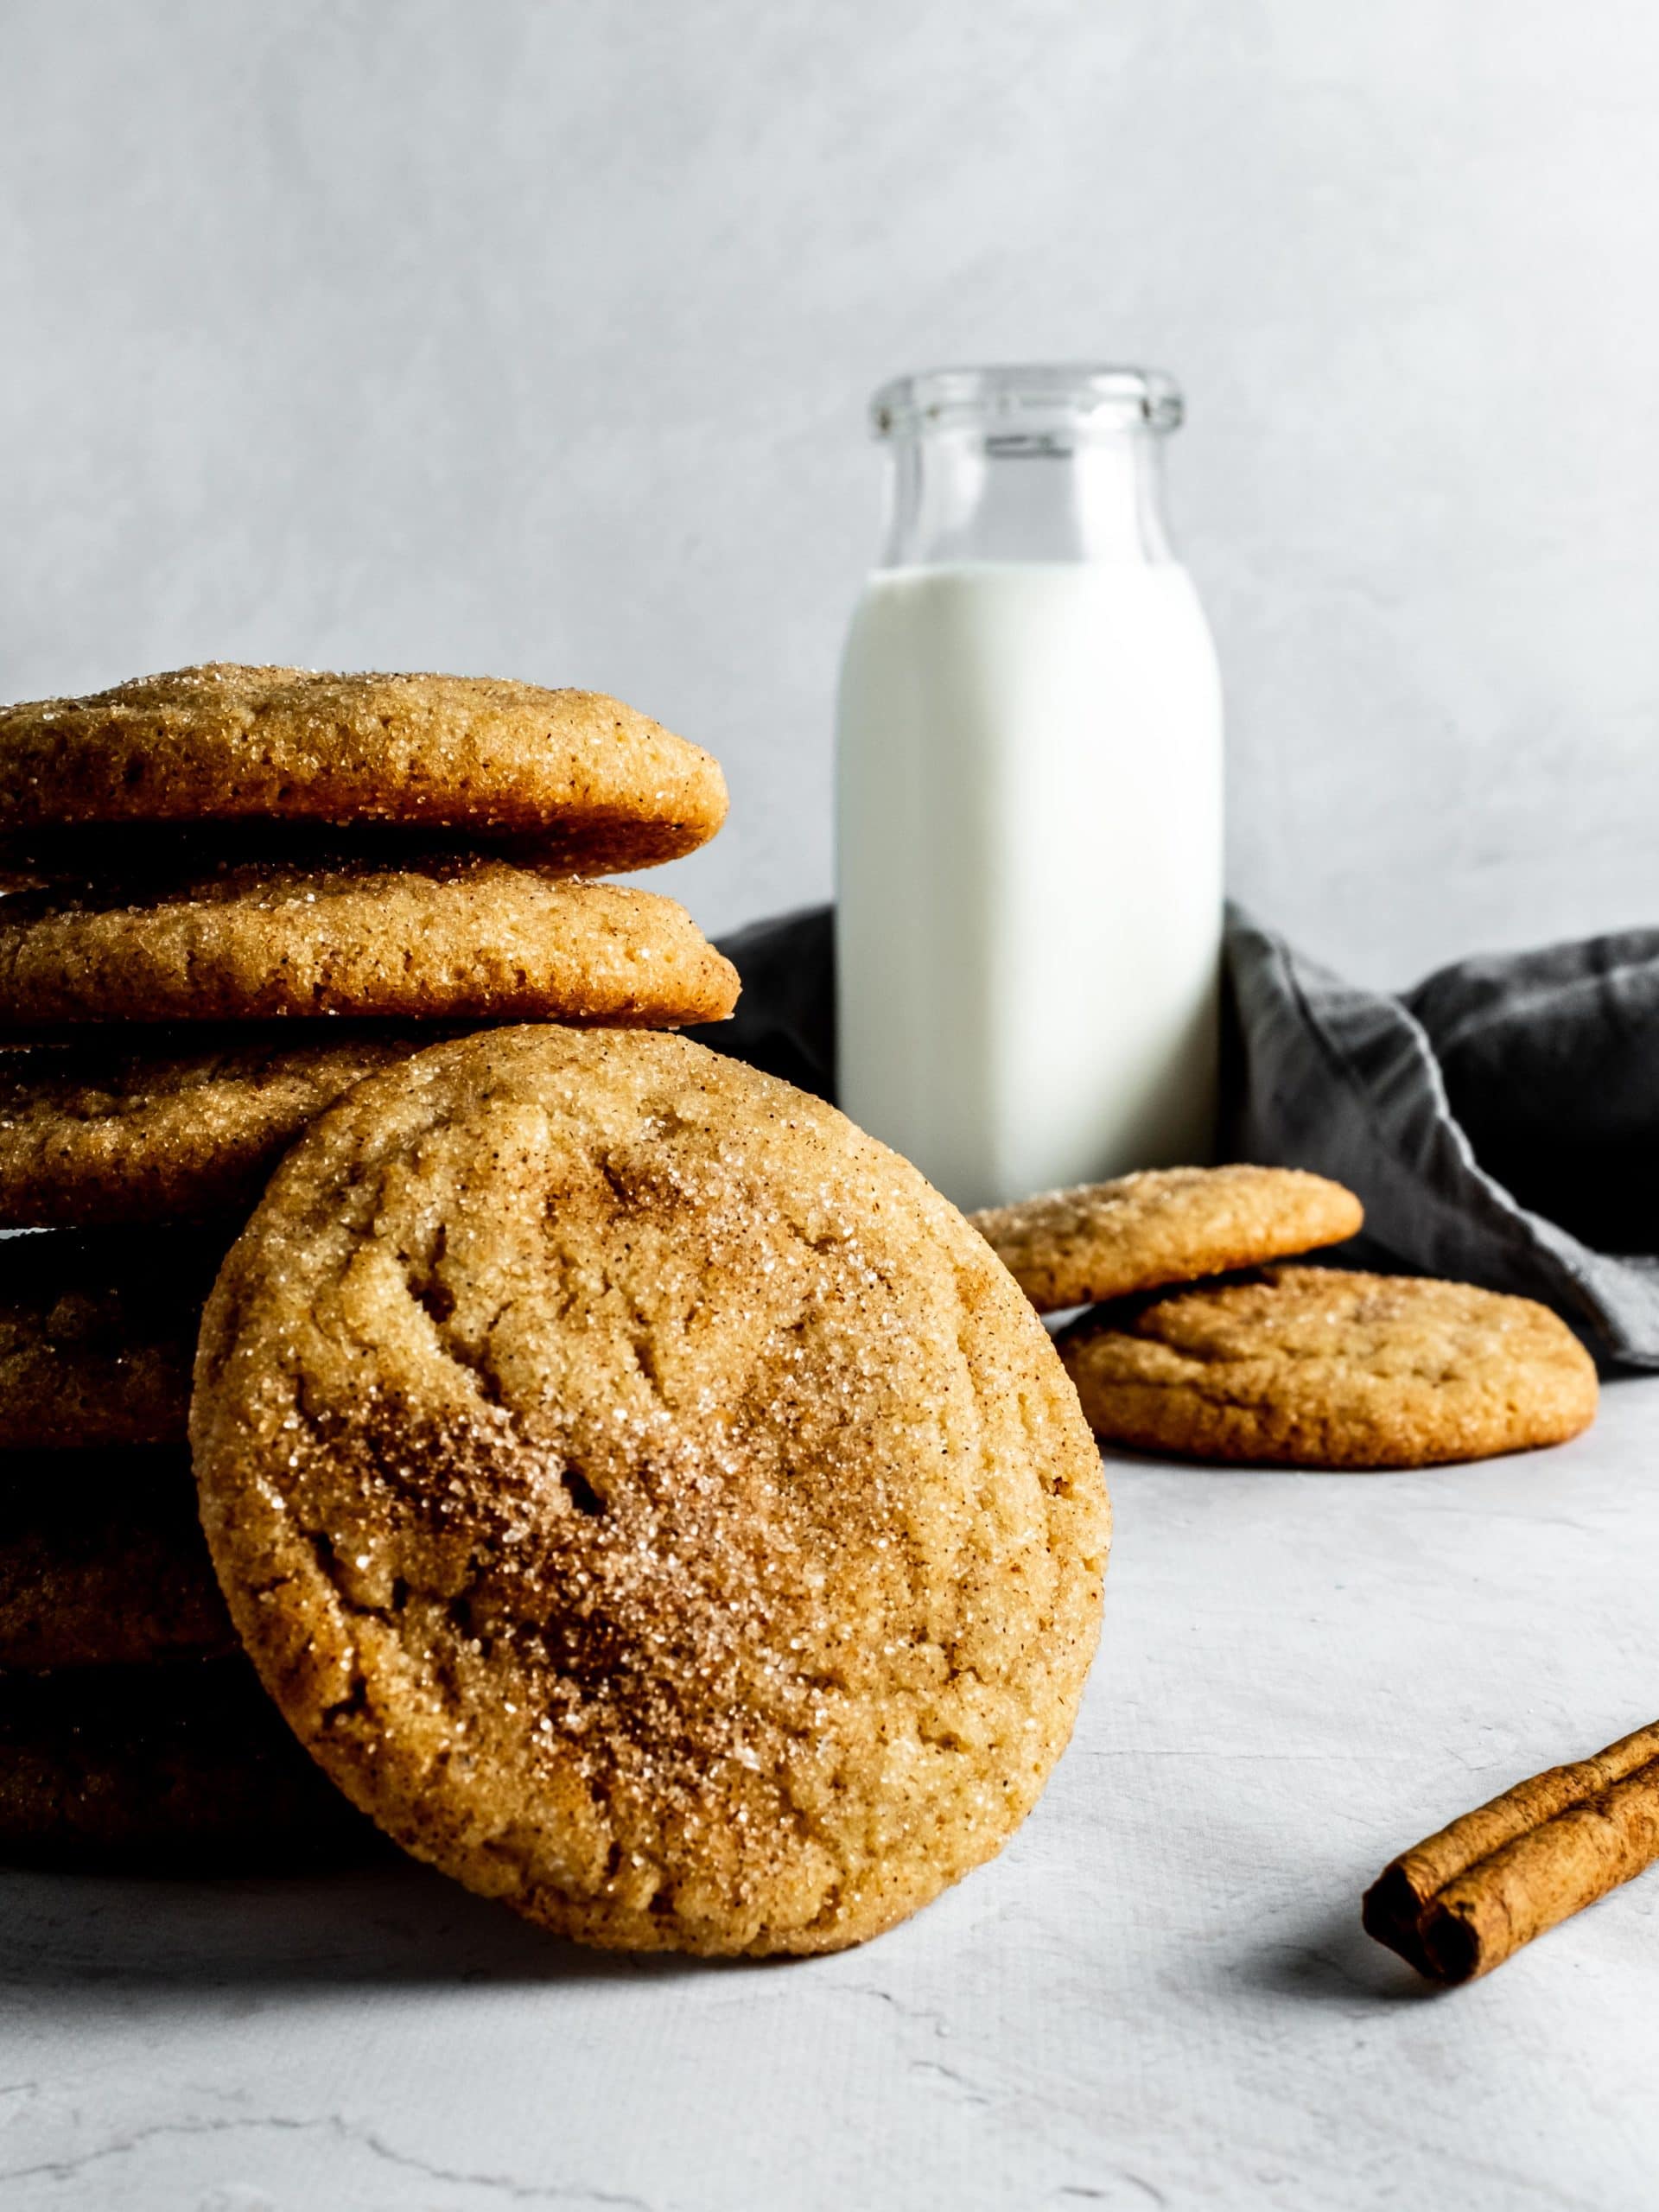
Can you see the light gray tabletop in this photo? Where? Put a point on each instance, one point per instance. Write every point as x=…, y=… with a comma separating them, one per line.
x=1159, y=1996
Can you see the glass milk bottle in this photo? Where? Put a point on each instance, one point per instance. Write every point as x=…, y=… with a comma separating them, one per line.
x=1029, y=793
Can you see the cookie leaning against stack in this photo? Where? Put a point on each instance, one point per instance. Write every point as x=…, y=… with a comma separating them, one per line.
x=201, y=863
x=645, y=1496
x=1285, y=1366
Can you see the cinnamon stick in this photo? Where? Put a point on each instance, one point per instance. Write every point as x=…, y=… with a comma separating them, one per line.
x=1457, y=1904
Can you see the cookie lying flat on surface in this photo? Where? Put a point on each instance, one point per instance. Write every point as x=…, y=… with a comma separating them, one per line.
x=1167, y=1225
x=172, y=1126
x=175, y=1770
x=98, y=1335
x=102, y=1561
x=457, y=935
x=590, y=784
x=645, y=1496
x=1318, y=1367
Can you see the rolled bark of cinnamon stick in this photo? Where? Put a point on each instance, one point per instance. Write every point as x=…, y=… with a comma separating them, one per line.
x=1461, y=1902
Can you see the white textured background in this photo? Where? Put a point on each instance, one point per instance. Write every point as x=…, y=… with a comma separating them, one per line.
x=533, y=338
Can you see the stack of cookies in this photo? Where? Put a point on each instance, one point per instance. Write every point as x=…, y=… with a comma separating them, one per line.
x=628, y=1485
x=1197, y=1345
x=233, y=893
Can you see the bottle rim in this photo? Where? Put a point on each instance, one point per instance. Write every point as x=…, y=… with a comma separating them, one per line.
x=1086, y=395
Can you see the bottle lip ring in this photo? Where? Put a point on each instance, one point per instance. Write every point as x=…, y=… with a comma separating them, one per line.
x=1084, y=396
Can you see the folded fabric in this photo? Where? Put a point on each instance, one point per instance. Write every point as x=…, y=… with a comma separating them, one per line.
x=1499, y=1121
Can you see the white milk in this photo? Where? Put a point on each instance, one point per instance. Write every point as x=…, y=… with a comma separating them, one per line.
x=1029, y=857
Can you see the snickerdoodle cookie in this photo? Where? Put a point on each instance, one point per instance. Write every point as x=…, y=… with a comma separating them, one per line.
x=443, y=935
x=124, y=1126
x=583, y=780
x=1318, y=1367
x=171, y=1770
x=98, y=1334
x=102, y=1562
x=1167, y=1225
x=646, y=1496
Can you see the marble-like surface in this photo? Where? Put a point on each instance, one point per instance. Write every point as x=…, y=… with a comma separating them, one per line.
x=1160, y=1995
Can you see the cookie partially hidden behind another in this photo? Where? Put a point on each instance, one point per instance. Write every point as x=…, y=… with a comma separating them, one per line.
x=122, y=1125
x=182, y=1768
x=436, y=935
x=1320, y=1367
x=103, y=1562
x=98, y=1335
x=645, y=1497
x=1167, y=1225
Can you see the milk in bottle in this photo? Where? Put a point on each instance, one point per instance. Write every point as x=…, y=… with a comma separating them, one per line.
x=1029, y=794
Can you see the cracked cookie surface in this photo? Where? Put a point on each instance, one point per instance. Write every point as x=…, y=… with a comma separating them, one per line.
x=438, y=936
x=583, y=780
x=1163, y=1225
x=1324, y=1367
x=646, y=1496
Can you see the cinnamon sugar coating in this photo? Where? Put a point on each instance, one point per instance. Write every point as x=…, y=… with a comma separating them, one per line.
x=580, y=778
x=646, y=1496
x=1324, y=1367
x=124, y=1126
x=445, y=935
x=1163, y=1225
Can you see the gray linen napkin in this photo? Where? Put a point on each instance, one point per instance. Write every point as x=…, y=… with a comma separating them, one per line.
x=1499, y=1121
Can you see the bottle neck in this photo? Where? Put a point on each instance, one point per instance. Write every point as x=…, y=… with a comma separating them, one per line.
x=964, y=493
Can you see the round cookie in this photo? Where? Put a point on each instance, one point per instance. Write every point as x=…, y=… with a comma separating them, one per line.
x=98, y=1335
x=646, y=1496
x=583, y=780
x=102, y=1562
x=176, y=1769
x=457, y=935
x=1318, y=1367
x=124, y=1127
x=1166, y=1224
